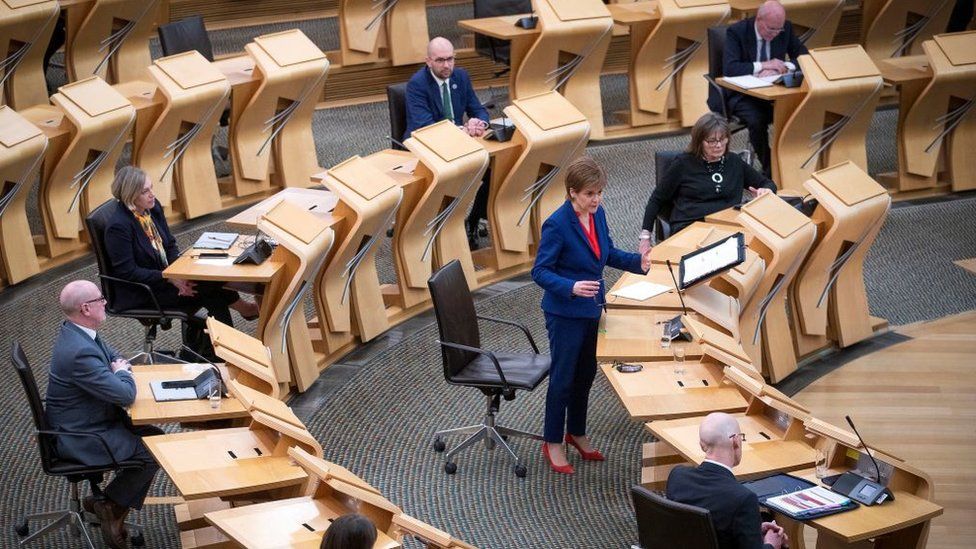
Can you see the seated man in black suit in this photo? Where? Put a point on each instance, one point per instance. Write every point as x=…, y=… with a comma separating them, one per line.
x=89, y=386
x=712, y=485
x=759, y=46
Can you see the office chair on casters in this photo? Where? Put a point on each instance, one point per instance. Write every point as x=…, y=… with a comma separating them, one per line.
x=664, y=524
x=717, y=99
x=662, y=224
x=495, y=374
x=152, y=318
x=54, y=465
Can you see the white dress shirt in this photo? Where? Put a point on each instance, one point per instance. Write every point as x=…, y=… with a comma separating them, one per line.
x=756, y=65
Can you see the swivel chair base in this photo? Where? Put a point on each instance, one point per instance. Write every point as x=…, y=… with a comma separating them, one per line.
x=488, y=431
x=72, y=517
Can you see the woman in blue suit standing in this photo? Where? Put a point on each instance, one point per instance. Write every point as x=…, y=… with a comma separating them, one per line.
x=574, y=248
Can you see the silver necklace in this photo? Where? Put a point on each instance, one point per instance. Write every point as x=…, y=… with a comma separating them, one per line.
x=716, y=174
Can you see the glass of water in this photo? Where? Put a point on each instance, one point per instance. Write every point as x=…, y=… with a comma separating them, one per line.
x=679, y=358
x=820, y=463
x=214, y=393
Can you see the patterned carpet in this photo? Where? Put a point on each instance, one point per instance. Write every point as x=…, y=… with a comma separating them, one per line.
x=379, y=419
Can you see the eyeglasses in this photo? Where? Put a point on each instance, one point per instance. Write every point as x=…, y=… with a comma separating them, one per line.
x=99, y=299
x=740, y=436
x=442, y=60
x=719, y=141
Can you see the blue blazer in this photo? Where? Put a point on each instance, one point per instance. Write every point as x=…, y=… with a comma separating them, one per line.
x=84, y=395
x=565, y=257
x=132, y=256
x=741, y=45
x=424, y=106
x=733, y=507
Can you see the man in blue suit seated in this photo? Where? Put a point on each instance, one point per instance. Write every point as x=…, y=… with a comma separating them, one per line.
x=759, y=46
x=439, y=91
x=89, y=386
x=734, y=508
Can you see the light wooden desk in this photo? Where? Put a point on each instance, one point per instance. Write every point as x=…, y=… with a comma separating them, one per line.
x=145, y=410
x=968, y=264
x=296, y=523
x=318, y=201
x=784, y=100
x=224, y=462
x=635, y=335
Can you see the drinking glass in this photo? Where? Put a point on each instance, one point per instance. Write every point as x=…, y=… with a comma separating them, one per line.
x=213, y=393
x=820, y=463
x=679, y=358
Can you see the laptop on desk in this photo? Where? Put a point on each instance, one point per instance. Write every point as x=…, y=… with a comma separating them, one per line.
x=184, y=389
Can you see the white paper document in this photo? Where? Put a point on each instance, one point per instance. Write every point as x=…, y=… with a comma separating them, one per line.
x=216, y=261
x=641, y=291
x=215, y=241
x=748, y=81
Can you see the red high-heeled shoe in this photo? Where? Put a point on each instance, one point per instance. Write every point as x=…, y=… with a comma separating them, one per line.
x=564, y=469
x=594, y=455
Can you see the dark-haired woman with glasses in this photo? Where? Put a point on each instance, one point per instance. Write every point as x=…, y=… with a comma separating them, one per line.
x=703, y=180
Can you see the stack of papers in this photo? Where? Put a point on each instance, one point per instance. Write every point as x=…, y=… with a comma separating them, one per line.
x=748, y=81
x=810, y=503
x=641, y=291
x=215, y=241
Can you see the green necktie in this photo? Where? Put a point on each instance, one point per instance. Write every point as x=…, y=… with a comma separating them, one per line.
x=446, y=102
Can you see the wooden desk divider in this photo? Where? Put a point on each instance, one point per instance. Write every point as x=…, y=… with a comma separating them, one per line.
x=433, y=538
x=566, y=56
x=635, y=335
x=828, y=300
x=936, y=138
x=25, y=30
x=176, y=151
x=348, y=296
x=815, y=22
x=430, y=223
x=830, y=124
x=304, y=241
x=893, y=28
x=368, y=30
x=668, y=58
x=552, y=133
x=247, y=358
x=253, y=400
x=110, y=39
x=782, y=236
x=275, y=120
x=22, y=147
x=78, y=174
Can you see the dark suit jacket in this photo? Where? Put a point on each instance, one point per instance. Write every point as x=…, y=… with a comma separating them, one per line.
x=741, y=45
x=734, y=509
x=565, y=257
x=84, y=395
x=132, y=257
x=424, y=106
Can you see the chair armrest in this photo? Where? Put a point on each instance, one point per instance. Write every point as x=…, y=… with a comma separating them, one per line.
x=145, y=288
x=515, y=324
x=489, y=354
x=721, y=94
x=108, y=450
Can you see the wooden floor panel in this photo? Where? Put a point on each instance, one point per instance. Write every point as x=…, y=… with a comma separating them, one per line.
x=918, y=400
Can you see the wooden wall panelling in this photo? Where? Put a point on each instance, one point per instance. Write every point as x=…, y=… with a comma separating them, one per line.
x=176, y=152
x=25, y=30
x=22, y=147
x=830, y=124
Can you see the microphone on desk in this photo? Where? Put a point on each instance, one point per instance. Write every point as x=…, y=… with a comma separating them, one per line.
x=865, y=445
x=220, y=378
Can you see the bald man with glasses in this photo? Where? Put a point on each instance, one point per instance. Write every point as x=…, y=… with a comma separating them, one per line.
x=712, y=485
x=759, y=46
x=89, y=387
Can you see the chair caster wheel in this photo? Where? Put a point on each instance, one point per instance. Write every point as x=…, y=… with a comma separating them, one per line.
x=450, y=467
x=22, y=528
x=138, y=540
x=520, y=471
x=439, y=445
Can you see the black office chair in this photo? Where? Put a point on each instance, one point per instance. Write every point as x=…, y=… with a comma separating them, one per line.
x=496, y=374
x=662, y=224
x=152, y=318
x=54, y=465
x=396, y=96
x=717, y=99
x=665, y=524
x=499, y=51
